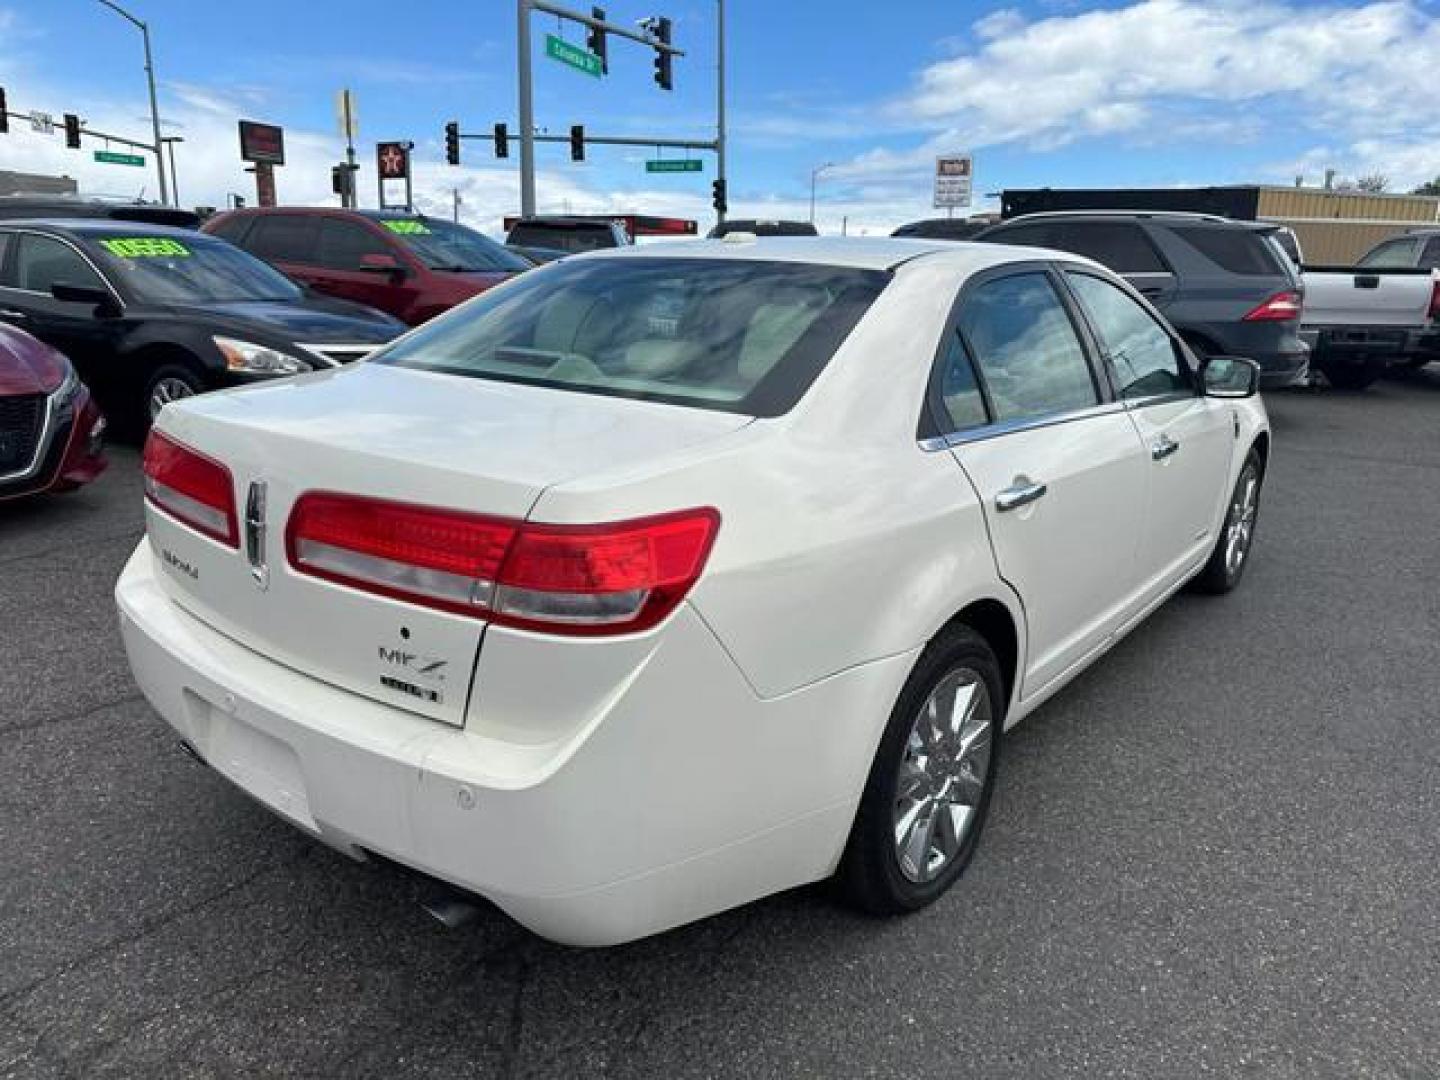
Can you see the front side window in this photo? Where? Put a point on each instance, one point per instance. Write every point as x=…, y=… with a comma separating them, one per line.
x=344, y=245
x=187, y=269
x=284, y=238
x=1026, y=347
x=732, y=335
x=1142, y=355
x=1393, y=253
x=42, y=261
x=446, y=246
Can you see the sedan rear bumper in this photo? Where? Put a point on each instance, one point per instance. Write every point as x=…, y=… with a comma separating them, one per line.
x=683, y=796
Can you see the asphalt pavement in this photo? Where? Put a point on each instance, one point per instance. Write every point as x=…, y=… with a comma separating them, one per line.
x=1217, y=853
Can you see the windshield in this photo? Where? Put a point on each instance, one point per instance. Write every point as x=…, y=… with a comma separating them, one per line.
x=443, y=245
x=189, y=270
x=575, y=236
x=731, y=335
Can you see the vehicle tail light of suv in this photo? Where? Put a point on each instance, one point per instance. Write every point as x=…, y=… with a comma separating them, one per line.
x=562, y=579
x=191, y=488
x=1278, y=308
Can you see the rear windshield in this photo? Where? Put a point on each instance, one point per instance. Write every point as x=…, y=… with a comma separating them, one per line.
x=188, y=269
x=1239, y=251
x=568, y=237
x=444, y=245
x=734, y=336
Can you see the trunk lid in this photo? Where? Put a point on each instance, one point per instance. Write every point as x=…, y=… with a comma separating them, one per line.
x=387, y=433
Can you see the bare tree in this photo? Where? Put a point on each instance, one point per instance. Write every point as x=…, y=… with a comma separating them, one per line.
x=1373, y=183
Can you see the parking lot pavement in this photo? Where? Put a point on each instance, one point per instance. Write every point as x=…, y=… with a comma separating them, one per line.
x=1215, y=854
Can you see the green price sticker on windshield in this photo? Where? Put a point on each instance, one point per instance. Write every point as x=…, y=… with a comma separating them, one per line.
x=148, y=247
x=408, y=228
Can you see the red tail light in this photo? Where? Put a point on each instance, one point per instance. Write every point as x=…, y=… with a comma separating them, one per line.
x=1281, y=307
x=191, y=488
x=584, y=579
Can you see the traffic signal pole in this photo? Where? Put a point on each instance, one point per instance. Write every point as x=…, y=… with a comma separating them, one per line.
x=720, y=107
x=526, y=87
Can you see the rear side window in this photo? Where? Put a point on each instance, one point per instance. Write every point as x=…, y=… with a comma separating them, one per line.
x=285, y=238
x=230, y=228
x=1026, y=347
x=1392, y=253
x=1236, y=251
x=1120, y=245
x=960, y=396
x=1024, y=235
x=731, y=335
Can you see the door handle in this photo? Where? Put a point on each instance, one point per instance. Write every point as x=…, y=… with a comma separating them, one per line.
x=1021, y=493
x=10, y=313
x=1151, y=290
x=1163, y=447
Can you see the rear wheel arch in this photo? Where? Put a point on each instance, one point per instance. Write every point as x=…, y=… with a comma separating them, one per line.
x=993, y=621
x=1261, y=446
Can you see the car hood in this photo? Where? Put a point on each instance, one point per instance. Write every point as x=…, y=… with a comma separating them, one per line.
x=307, y=320
x=27, y=366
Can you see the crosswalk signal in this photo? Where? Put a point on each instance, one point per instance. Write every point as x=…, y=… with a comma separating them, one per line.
x=595, y=40
x=72, y=131
x=452, y=142
x=502, y=141
x=577, y=142
x=718, y=196
x=663, y=74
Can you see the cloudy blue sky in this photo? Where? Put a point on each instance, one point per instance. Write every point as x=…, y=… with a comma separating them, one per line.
x=1157, y=92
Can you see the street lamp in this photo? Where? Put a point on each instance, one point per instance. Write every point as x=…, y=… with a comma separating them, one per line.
x=170, y=141
x=814, y=173
x=154, y=108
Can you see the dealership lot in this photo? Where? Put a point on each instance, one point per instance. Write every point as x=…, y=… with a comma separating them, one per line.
x=1215, y=853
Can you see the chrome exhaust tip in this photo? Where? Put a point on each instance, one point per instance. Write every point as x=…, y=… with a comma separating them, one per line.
x=451, y=910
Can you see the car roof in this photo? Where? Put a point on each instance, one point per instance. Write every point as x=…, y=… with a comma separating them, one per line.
x=865, y=253
x=1177, y=215
x=109, y=226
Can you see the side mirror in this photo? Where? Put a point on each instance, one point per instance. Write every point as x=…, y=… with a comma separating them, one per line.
x=382, y=264
x=103, y=302
x=1230, y=377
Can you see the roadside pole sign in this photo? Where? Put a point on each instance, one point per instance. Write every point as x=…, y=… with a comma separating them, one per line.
x=110, y=157
x=393, y=160
x=953, y=174
x=42, y=122
x=674, y=165
x=262, y=144
x=578, y=58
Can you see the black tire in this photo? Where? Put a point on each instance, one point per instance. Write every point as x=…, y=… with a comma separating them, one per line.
x=1352, y=376
x=871, y=876
x=171, y=376
x=1222, y=573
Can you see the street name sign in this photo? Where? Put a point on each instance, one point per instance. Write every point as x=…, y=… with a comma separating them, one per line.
x=111, y=157
x=674, y=165
x=560, y=49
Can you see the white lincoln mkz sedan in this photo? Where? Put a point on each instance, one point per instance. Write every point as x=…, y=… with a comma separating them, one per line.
x=658, y=580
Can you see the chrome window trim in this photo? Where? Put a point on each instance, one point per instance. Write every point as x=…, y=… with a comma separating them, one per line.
x=982, y=432
x=114, y=292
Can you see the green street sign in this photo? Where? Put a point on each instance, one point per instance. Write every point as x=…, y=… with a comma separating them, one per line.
x=674, y=165
x=559, y=49
x=110, y=157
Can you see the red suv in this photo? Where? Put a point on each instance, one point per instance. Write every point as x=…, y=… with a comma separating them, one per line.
x=412, y=266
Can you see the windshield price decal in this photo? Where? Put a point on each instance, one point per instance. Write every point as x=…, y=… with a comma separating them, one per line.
x=150, y=247
x=408, y=228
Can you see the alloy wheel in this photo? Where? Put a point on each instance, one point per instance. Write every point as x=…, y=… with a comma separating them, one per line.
x=942, y=775
x=1241, y=528
x=167, y=390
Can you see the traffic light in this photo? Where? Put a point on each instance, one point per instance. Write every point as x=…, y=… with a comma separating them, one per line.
x=663, y=74
x=595, y=40
x=718, y=197
x=4, y=113
x=577, y=142
x=502, y=141
x=452, y=142
x=72, y=131
x=342, y=182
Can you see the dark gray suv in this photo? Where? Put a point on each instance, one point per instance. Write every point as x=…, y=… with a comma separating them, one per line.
x=1224, y=285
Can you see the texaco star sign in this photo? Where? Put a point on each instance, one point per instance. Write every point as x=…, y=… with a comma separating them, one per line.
x=392, y=160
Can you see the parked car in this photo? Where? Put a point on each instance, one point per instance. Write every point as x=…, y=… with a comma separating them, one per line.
x=942, y=229
x=673, y=576
x=149, y=314
x=1360, y=321
x=763, y=227
x=567, y=234
x=77, y=206
x=1220, y=283
x=413, y=267
x=51, y=432
x=1418, y=249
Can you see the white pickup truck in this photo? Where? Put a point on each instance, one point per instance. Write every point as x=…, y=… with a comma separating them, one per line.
x=1361, y=320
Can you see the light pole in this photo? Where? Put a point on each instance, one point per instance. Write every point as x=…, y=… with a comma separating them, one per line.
x=814, y=173
x=170, y=141
x=154, y=107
